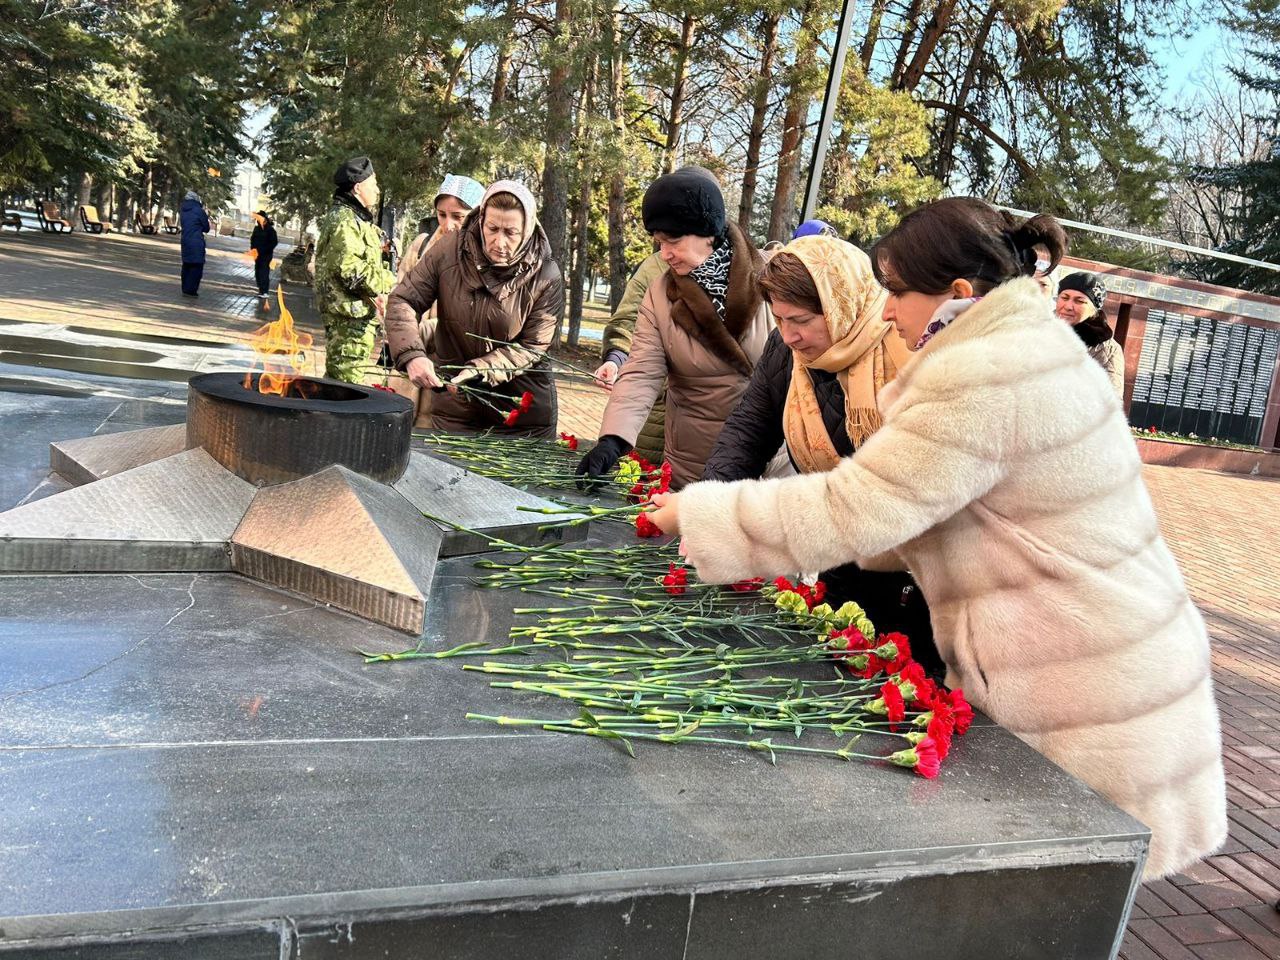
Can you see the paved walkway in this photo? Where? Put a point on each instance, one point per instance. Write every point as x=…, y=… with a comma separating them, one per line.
x=129, y=283
x=1225, y=531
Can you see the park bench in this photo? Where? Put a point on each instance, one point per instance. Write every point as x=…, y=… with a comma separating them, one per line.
x=171, y=224
x=90, y=220
x=51, y=218
x=8, y=219
x=143, y=222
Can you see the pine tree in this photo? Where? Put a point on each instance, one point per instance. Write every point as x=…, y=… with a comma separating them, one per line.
x=1255, y=180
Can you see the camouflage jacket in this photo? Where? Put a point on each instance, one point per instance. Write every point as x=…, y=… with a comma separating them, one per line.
x=349, y=267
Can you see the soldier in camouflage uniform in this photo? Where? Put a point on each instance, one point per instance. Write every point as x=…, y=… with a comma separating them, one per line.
x=351, y=278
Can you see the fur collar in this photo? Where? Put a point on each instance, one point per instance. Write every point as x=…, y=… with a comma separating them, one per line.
x=1009, y=334
x=694, y=313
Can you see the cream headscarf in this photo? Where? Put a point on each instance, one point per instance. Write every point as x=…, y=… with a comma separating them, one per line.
x=865, y=352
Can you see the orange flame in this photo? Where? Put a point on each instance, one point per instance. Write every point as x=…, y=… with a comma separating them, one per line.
x=281, y=352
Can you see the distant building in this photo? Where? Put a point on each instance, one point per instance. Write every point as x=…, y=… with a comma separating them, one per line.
x=248, y=188
x=249, y=197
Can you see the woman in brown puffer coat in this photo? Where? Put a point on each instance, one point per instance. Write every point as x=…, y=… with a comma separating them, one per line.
x=701, y=328
x=497, y=294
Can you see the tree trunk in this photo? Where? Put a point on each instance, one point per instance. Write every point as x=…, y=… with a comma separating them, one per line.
x=675, y=120
x=947, y=141
x=759, y=110
x=908, y=34
x=873, y=34
x=799, y=98
x=938, y=23
x=502, y=68
x=555, y=190
x=581, y=242
x=582, y=209
x=618, y=183
x=85, y=193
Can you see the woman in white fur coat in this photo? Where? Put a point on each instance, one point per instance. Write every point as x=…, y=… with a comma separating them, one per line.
x=1005, y=478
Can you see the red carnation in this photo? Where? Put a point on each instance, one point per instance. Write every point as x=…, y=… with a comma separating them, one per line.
x=922, y=757
x=746, y=586
x=913, y=674
x=926, y=690
x=638, y=493
x=904, y=651
x=962, y=710
x=928, y=762
x=664, y=478
x=874, y=664
x=511, y=417
x=782, y=585
x=569, y=440
x=819, y=593
x=940, y=728
x=676, y=579
x=646, y=527
x=383, y=387
x=856, y=639
x=926, y=695
x=940, y=734
x=526, y=401
x=893, y=703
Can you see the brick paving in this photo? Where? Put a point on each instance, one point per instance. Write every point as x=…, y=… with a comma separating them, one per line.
x=1225, y=531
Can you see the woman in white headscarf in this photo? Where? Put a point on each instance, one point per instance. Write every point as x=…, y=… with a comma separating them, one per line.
x=497, y=295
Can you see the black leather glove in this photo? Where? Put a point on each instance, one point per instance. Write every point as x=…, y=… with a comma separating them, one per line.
x=600, y=459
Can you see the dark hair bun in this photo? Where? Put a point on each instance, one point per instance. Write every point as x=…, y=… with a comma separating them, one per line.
x=1041, y=230
x=963, y=238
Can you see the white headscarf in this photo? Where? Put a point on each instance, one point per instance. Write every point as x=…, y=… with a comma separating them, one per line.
x=529, y=205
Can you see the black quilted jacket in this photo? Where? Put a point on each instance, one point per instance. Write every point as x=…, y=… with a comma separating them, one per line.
x=753, y=432
x=748, y=441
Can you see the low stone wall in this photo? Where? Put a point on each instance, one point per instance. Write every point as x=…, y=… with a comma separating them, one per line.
x=1202, y=456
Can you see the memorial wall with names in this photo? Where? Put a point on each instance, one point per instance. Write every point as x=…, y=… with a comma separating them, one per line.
x=1204, y=375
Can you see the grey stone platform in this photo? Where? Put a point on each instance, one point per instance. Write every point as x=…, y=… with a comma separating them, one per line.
x=196, y=765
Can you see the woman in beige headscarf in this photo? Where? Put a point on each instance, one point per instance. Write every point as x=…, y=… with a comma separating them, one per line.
x=815, y=388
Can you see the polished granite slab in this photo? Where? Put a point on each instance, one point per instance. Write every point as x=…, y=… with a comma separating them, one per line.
x=197, y=765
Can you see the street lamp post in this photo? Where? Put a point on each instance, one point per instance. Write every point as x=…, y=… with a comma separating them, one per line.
x=834, y=78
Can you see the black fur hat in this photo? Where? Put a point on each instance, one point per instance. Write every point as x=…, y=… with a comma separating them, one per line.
x=686, y=201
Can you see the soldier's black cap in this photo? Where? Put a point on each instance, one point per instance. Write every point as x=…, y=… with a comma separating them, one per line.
x=353, y=171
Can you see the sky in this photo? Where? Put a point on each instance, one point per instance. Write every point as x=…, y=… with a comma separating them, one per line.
x=1186, y=61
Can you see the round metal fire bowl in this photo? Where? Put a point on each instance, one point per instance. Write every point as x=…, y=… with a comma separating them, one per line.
x=269, y=439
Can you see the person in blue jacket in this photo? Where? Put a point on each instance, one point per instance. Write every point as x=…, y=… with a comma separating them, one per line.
x=195, y=224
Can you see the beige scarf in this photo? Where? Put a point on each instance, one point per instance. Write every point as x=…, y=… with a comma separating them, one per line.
x=865, y=352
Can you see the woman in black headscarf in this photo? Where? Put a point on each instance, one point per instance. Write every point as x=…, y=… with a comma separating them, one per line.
x=1080, y=299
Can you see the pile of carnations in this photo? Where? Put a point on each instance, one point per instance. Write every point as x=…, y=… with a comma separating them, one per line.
x=643, y=652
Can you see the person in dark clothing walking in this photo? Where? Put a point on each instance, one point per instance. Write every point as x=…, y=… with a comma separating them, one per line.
x=263, y=242
x=195, y=224
x=815, y=387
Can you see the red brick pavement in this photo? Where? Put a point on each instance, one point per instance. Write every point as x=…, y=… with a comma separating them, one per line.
x=1225, y=532
x=581, y=407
